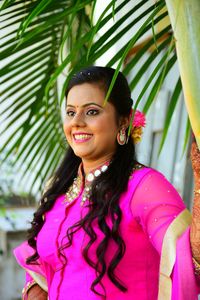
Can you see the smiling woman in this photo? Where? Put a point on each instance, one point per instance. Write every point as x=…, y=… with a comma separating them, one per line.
x=107, y=226
x=91, y=127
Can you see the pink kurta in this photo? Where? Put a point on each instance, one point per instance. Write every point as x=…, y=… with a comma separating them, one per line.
x=149, y=206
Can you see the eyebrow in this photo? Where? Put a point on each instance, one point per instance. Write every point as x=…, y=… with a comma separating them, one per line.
x=85, y=105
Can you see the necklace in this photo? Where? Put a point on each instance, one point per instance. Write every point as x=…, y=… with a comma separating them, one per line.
x=74, y=190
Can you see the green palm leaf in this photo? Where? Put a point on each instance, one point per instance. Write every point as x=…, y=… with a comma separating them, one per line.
x=171, y=109
x=41, y=40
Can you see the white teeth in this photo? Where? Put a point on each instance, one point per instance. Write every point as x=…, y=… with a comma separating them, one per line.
x=81, y=136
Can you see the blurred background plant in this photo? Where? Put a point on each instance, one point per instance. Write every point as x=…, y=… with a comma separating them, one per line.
x=11, y=193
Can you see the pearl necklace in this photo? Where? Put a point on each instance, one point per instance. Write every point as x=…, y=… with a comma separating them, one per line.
x=74, y=190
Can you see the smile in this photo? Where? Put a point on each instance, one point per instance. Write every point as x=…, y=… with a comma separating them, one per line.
x=82, y=137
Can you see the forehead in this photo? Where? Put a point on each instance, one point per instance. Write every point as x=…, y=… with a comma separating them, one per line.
x=86, y=92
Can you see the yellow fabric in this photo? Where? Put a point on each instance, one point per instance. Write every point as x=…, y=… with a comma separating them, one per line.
x=168, y=253
x=39, y=279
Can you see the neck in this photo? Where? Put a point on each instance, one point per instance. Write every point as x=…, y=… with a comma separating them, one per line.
x=89, y=165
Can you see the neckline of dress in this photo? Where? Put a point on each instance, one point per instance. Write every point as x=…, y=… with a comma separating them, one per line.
x=82, y=184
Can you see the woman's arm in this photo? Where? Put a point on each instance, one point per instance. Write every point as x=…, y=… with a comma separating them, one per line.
x=32, y=291
x=36, y=293
x=163, y=216
x=35, y=274
x=156, y=204
x=195, y=226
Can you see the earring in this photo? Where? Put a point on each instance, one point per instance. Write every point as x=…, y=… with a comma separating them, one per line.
x=121, y=137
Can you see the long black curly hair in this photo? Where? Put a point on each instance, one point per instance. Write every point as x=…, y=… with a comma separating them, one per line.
x=113, y=182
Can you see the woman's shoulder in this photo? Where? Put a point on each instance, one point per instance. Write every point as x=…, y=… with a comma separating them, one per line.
x=153, y=189
x=142, y=172
x=140, y=168
x=144, y=169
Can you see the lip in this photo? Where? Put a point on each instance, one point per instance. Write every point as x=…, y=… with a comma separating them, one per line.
x=81, y=137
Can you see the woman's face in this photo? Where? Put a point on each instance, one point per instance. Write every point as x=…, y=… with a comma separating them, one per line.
x=90, y=127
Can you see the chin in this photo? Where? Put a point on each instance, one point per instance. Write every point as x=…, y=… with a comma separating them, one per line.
x=81, y=154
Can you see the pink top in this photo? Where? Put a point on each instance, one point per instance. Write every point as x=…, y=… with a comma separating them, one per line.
x=149, y=206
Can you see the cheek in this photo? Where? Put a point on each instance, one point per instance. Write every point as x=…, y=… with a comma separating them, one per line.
x=66, y=129
x=109, y=130
x=107, y=123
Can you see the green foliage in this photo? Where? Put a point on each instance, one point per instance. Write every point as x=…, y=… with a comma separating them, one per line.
x=44, y=39
x=12, y=193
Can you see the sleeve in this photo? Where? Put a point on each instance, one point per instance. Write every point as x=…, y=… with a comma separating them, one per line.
x=35, y=273
x=164, y=218
x=156, y=204
x=28, y=284
x=28, y=277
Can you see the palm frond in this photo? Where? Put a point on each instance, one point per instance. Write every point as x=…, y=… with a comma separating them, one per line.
x=25, y=113
x=42, y=40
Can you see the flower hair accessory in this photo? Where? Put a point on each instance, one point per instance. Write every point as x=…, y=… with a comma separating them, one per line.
x=137, y=122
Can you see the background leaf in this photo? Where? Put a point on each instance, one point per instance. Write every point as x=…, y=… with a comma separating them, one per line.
x=43, y=40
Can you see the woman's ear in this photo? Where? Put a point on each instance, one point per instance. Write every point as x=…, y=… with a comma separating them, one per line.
x=124, y=122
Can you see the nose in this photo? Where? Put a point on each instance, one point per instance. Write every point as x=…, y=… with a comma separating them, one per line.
x=78, y=120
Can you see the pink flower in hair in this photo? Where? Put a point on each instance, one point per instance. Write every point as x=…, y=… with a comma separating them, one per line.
x=139, y=119
x=138, y=122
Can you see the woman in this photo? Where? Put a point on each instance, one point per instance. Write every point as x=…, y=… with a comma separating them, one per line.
x=108, y=227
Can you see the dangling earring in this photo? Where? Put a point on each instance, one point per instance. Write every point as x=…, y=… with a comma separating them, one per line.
x=121, y=137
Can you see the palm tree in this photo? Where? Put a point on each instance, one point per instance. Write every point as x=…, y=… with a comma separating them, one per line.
x=43, y=39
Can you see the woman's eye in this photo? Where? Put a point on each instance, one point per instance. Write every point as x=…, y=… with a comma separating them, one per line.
x=70, y=113
x=92, y=112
